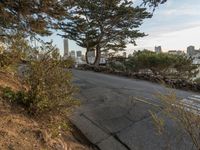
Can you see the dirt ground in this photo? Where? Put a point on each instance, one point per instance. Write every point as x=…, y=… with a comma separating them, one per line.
x=18, y=131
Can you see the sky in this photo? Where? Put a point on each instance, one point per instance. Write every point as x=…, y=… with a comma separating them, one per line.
x=175, y=25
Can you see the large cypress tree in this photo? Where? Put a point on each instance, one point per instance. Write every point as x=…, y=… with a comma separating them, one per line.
x=105, y=25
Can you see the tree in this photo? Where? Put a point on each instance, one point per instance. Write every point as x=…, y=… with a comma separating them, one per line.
x=30, y=17
x=153, y=3
x=175, y=66
x=105, y=25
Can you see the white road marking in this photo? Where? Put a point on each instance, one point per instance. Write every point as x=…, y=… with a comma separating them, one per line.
x=192, y=104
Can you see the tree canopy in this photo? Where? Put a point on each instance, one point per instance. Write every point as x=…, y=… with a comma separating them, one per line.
x=105, y=25
x=101, y=25
x=30, y=16
x=175, y=66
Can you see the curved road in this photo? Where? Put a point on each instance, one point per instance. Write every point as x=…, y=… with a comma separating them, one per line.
x=112, y=116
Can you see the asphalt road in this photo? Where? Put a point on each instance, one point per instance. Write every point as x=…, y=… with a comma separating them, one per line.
x=112, y=118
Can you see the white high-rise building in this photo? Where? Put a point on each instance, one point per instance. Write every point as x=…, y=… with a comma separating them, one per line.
x=190, y=50
x=66, y=47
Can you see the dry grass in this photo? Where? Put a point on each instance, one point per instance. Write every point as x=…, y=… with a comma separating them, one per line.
x=183, y=115
x=19, y=131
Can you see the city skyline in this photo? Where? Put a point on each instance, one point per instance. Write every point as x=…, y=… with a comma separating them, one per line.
x=174, y=26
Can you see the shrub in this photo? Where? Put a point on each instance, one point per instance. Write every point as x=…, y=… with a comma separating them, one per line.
x=47, y=81
x=183, y=113
x=13, y=51
x=8, y=59
x=197, y=80
x=118, y=66
x=20, y=97
x=173, y=66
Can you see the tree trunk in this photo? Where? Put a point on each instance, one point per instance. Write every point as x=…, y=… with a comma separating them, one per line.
x=98, y=56
x=86, y=56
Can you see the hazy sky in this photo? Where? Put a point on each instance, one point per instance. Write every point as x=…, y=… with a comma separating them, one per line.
x=175, y=25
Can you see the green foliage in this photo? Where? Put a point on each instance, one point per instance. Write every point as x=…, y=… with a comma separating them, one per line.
x=8, y=94
x=183, y=114
x=49, y=83
x=104, y=25
x=197, y=80
x=118, y=66
x=68, y=63
x=13, y=51
x=8, y=59
x=30, y=17
x=19, y=97
x=175, y=66
x=153, y=3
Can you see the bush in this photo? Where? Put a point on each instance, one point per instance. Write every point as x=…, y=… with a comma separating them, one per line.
x=183, y=113
x=13, y=49
x=173, y=66
x=49, y=84
x=118, y=66
x=47, y=81
x=20, y=97
x=8, y=59
x=197, y=80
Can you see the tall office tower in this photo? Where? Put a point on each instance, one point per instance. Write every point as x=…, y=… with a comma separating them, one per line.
x=191, y=50
x=158, y=49
x=66, y=47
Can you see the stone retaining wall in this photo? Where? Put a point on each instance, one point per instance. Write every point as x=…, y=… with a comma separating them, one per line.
x=174, y=83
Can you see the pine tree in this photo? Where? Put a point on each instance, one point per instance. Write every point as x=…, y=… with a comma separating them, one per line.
x=105, y=25
x=30, y=16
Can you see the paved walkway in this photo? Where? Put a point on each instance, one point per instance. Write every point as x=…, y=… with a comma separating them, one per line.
x=113, y=117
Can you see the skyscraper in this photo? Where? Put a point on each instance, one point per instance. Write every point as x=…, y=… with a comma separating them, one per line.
x=158, y=49
x=191, y=50
x=66, y=47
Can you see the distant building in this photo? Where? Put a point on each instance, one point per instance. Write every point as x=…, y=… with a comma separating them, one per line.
x=191, y=51
x=80, y=59
x=103, y=59
x=176, y=52
x=195, y=55
x=66, y=48
x=124, y=54
x=196, y=59
x=78, y=53
x=83, y=58
x=73, y=54
x=91, y=53
x=106, y=54
x=91, y=56
x=158, y=49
